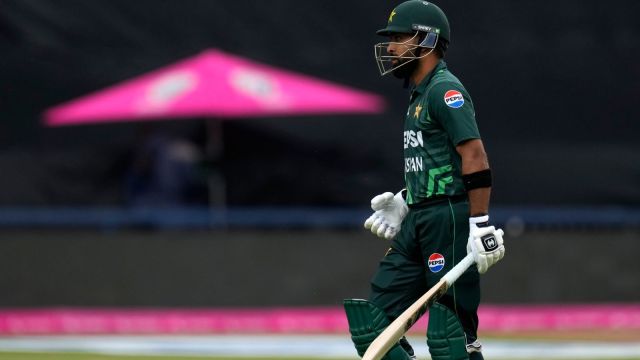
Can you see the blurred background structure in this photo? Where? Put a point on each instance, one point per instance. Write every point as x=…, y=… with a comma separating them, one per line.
x=205, y=211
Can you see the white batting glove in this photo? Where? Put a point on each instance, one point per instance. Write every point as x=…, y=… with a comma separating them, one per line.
x=485, y=242
x=390, y=210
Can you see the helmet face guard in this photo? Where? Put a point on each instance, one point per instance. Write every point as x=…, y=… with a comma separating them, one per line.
x=386, y=61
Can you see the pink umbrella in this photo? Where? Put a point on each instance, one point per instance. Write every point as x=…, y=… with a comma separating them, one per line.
x=213, y=84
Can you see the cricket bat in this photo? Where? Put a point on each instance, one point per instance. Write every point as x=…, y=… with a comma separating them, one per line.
x=396, y=330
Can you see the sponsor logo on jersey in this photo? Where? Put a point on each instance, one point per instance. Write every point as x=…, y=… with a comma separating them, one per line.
x=453, y=99
x=413, y=139
x=436, y=262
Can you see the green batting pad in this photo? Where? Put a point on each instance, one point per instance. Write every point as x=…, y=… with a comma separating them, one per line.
x=366, y=322
x=445, y=335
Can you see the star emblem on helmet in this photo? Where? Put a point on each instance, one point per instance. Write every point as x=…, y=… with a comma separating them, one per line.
x=393, y=13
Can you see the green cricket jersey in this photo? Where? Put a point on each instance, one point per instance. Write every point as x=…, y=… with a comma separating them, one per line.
x=440, y=116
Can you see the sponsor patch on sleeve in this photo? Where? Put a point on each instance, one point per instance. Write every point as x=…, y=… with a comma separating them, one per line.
x=453, y=99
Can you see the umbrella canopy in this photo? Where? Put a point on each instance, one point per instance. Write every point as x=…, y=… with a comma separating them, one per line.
x=213, y=84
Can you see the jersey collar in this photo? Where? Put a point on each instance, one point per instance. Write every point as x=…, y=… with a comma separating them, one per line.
x=420, y=88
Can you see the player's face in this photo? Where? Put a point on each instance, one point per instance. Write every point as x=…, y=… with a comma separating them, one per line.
x=393, y=55
x=401, y=46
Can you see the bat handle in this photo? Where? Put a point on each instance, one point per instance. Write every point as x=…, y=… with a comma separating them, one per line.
x=458, y=270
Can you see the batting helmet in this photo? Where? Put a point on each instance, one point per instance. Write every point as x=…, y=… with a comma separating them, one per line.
x=421, y=18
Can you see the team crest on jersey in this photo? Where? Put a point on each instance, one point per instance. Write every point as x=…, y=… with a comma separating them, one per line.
x=453, y=99
x=436, y=262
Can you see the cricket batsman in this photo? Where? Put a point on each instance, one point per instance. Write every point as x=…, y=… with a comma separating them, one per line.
x=443, y=213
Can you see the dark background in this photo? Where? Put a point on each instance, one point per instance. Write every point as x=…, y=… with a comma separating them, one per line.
x=555, y=85
x=288, y=268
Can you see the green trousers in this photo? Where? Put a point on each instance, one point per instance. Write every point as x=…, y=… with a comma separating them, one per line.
x=433, y=238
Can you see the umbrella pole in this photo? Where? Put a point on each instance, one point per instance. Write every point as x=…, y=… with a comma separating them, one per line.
x=216, y=182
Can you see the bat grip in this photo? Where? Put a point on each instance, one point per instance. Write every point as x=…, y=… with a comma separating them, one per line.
x=457, y=270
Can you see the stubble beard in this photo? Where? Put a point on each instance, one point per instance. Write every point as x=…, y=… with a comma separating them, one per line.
x=405, y=69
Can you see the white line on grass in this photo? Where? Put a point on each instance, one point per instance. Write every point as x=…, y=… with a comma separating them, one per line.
x=321, y=346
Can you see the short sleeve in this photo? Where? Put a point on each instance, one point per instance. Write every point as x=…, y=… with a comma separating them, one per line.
x=451, y=106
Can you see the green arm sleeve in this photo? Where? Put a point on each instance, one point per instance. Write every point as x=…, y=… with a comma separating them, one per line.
x=451, y=106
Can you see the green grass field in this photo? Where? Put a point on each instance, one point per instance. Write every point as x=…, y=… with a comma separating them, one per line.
x=78, y=356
